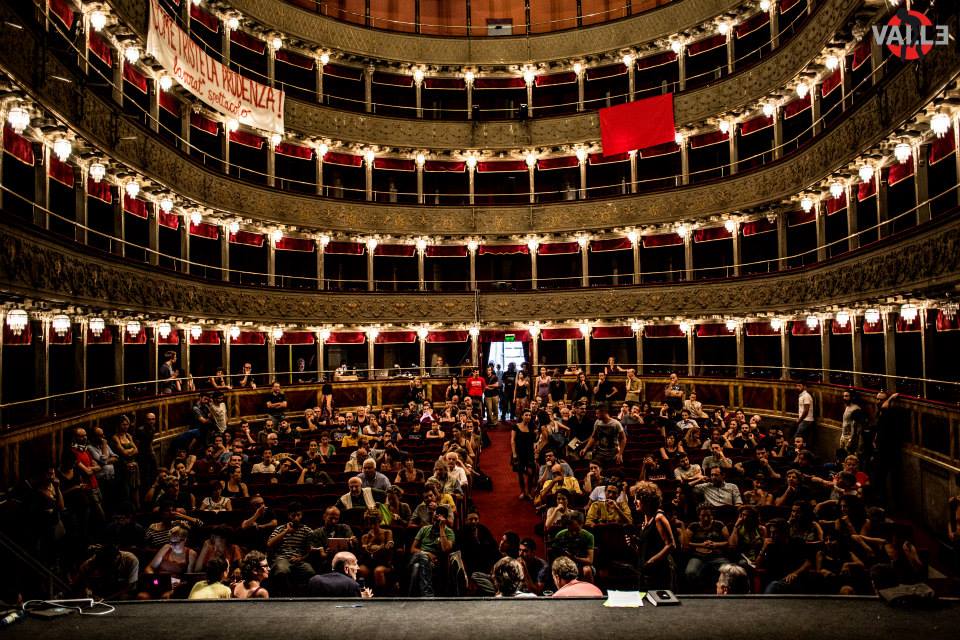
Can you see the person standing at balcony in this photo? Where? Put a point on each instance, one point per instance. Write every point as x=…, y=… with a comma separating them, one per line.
x=491, y=396
x=168, y=374
x=276, y=403
x=673, y=395
x=475, y=384
x=604, y=390
x=632, y=386
x=805, y=419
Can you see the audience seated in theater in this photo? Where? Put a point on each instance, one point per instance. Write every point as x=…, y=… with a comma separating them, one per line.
x=341, y=582
x=254, y=570
x=716, y=492
x=212, y=588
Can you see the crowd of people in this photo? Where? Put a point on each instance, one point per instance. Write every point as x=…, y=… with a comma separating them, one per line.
x=320, y=501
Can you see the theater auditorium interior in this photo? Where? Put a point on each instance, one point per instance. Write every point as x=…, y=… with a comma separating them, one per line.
x=636, y=312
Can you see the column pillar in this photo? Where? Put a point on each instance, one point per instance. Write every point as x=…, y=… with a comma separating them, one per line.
x=774, y=26
x=423, y=353
x=80, y=359
x=876, y=61
x=631, y=79
x=853, y=240
x=185, y=352
x=815, y=108
x=923, y=350
x=741, y=351
x=473, y=268
x=688, y=256
x=41, y=186
x=682, y=68
x=825, y=350
x=638, y=338
x=921, y=175
x=691, y=351
x=41, y=360
x=321, y=363
x=153, y=235
x=469, y=85
x=582, y=166
x=118, y=76
x=153, y=358
x=117, y=246
x=421, y=275
x=731, y=54
x=80, y=203
x=785, y=351
x=225, y=255
x=883, y=211
x=318, y=69
x=225, y=44
x=635, y=249
x=185, y=112
x=532, y=183
x=955, y=132
x=585, y=264
x=471, y=171
x=856, y=347
x=734, y=151
x=737, y=250
x=225, y=349
x=321, y=252
x=271, y=358
x=370, y=282
x=890, y=349
x=633, y=172
x=821, y=223
x=586, y=353
x=534, y=352
x=368, y=179
x=371, y=356
x=846, y=85
x=271, y=163
x=418, y=87
x=781, y=241
x=533, y=267
x=420, y=196
x=368, y=88
x=153, y=86
x=530, y=99
x=475, y=350
x=185, y=245
x=778, y=133
x=684, y=161
x=318, y=167
x=118, y=373
x=580, y=90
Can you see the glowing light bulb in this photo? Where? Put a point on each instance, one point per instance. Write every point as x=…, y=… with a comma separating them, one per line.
x=678, y=138
x=60, y=324
x=871, y=316
x=533, y=244
x=628, y=60
x=275, y=139
x=97, y=171
x=372, y=243
x=276, y=333
x=418, y=75
x=909, y=312
x=420, y=159
x=324, y=59
x=806, y=203
x=724, y=126
x=132, y=188
x=836, y=189
x=636, y=327
x=584, y=329
x=577, y=68
x=632, y=236
x=683, y=230
x=166, y=205
x=369, y=156
x=812, y=322
x=233, y=227
x=232, y=125
x=471, y=162
x=676, y=46
x=474, y=331
x=581, y=153
x=529, y=75
x=98, y=20
x=196, y=331
x=322, y=149
x=234, y=332
x=902, y=152
x=803, y=89
x=276, y=236
x=19, y=119
x=132, y=54
x=196, y=218
x=866, y=173
x=469, y=77
x=832, y=62
x=764, y=5
x=372, y=333
x=842, y=318
x=96, y=326
x=768, y=109
x=421, y=244
x=233, y=23
x=723, y=28
x=276, y=42
x=776, y=324
x=324, y=335
x=166, y=82
x=685, y=327
x=583, y=241
x=422, y=333
x=531, y=160
x=940, y=124
x=164, y=329
x=324, y=240
x=472, y=246
x=730, y=225
x=731, y=325
x=62, y=148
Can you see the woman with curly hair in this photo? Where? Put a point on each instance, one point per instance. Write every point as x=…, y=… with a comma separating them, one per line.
x=653, y=539
x=254, y=570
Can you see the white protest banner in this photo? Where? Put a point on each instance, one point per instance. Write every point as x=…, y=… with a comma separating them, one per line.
x=249, y=102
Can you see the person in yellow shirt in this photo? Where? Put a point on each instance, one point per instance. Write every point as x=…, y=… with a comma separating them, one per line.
x=607, y=511
x=212, y=588
x=557, y=481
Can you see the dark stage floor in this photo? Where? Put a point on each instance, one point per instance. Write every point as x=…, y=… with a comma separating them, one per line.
x=700, y=618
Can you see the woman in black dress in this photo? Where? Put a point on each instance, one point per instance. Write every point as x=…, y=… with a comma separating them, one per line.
x=326, y=399
x=653, y=539
x=581, y=389
x=522, y=437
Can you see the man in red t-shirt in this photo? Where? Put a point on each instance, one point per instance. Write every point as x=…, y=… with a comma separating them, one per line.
x=87, y=468
x=475, y=385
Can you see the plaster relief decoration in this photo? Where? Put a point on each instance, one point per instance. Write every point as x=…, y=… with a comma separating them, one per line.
x=236, y=97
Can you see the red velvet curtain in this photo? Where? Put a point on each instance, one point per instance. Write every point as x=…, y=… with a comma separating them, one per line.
x=287, y=243
x=248, y=238
x=446, y=251
x=297, y=337
x=396, y=337
x=558, y=248
x=17, y=146
x=395, y=250
x=62, y=172
x=606, y=333
x=562, y=333
x=448, y=336
x=610, y=244
x=347, y=337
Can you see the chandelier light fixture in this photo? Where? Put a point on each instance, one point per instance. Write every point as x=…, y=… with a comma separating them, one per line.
x=776, y=324
x=423, y=332
x=166, y=82
x=372, y=333
x=949, y=309
x=324, y=239
x=534, y=330
x=683, y=230
x=275, y=139
x=421, y=244
x=636, y=326
x=768, y=109
x=730, y=225
x=842, y=318
x=806, y=203
x=678, y=138
x=196, y=331
x=474, y=331
x=166, y=205
x=472, y=245
x=324, y=59
x=62, y=148
x=836, y=189
x=276, y=333
x=584, y=329
x=909, y=312
x=234, y=332
x=802, y=89
x=60, y=324
x=866, y=173
x=132, y=188
x=19, y=119
x=676, y=46
x=418, y=75
x=276, y=43
x=17, y=320
x=196, y=218
x=469, y=77
x=764, y=5
x=369, y=156
x=731, y=325
x=724, y=126
x=420, y=159
x=832, y=62
x=871, y=316
x=133, y=328
x=233, y=227
x=233, y=23
x=163, y=329
x=685, y=327
x=276, y=236
x=232, y=124
x=324, y=335
x=96, y=326
x=98, y=20
x=940, y=124
x=372, y=244
x=97, y=172
x=531, y=160
x=902, y=152
x=628, y=59
x=812, y=322
x=322, y=149
x=471, y=162
x=132, y=54
x=533, y=244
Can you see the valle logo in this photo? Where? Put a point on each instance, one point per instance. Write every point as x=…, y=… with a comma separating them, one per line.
x=910, y=35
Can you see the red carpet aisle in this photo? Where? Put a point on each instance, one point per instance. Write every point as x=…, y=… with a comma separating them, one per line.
x=500, y=510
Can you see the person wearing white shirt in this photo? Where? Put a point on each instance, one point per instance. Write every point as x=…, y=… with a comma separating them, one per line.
x=805, y=419
x=266, y=464
x=694, y=406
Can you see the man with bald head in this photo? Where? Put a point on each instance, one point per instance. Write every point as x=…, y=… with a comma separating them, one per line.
x=341, y=582
x=144, y=434
x=371, y=478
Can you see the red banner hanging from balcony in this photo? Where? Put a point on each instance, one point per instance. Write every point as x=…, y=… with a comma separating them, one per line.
x=448, y=336
x=168, y=220
x=801, y=328
x=660, y=150
x=100, y=190
x=204, y=124
x=835, y=205
x=750, y=25
x=663, y=331
x=62, y=172
x=63, y=11
x=295, y=59
x=657, y=60
x=707, y=139
x=941, y=148
x=661, y=240
x=207, y=337
x=395, y=164
x=899, y=172
x=562, y=162
x=861, y=54
x=105, y=337
x=247, y=41
x=101, y=49
x=344, y=248
x=343, y=159
x=288, y=243
x=347, y=337
x=449, y=166
x=947, y=323
x=247, y=139
x=12, y=340
x=552, y=79
x=756, y=227
x=66, y=338
x=559, y=248
x=205, y=230
x=132, y=75
x=599, y=158
x=135, y=207
x=714, y=330
x=173, y=338
x=499, y=335
x=866, y=190
x=169, y=103
x=396, y=337
x=707, y=44
x=909, y=327
x=502, y=249
x=501, y=166
x=395, y=250
x=755, y=124
x=294, y=151
x=446, y=251
x=610, y=244
x=297, y=337
x=838, y=329
x=873, y=327
x=250, y=338
x=17, y=146
x=796, y=107
x=457, y=84
x=760, y=329
x=637, y=125
x=499, y=83
x=711, y=233
x=248, y=238
x=610, y=333
x=562, y=333
x=208, y=20
x=830, y=83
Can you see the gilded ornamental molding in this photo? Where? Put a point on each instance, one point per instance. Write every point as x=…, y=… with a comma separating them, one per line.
x=368, y=43
x=42, y=268
x=103, y=124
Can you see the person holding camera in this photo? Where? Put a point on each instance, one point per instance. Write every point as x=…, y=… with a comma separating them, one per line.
x=429, y=550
